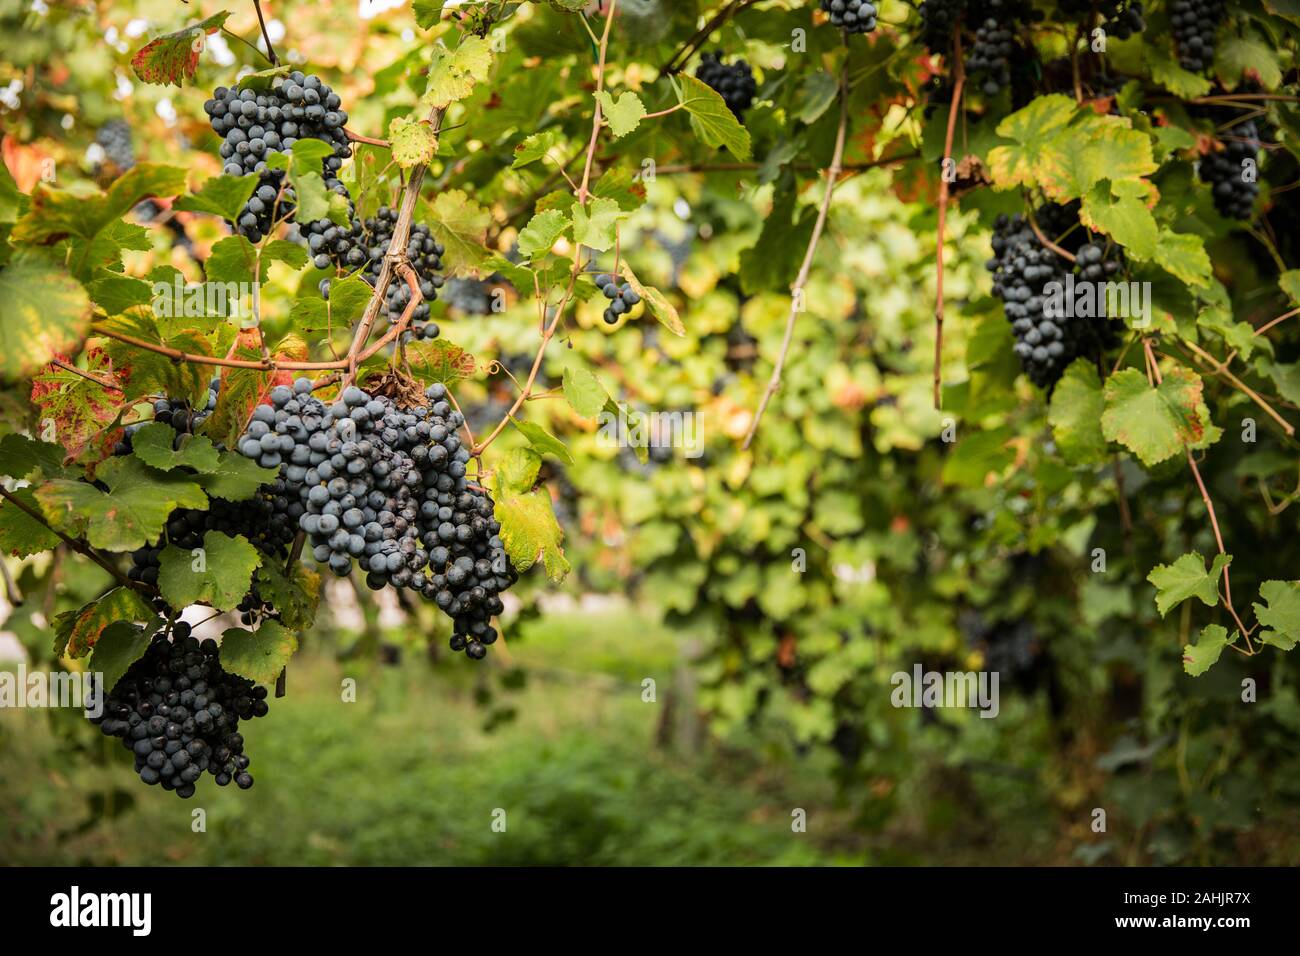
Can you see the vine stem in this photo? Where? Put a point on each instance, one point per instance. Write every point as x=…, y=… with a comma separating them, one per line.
x=369, y=140
x=796, y=291
x=549, y=329
x=676, y=168
x=1038, y=233
x=266, y=37
x=80, y=547
x=583, y=191
x=1220, y=368
x=687, y=49
x=1154, y=368
x=954, y=108
x=68, y=367
x=393, y=260
x=1272, y=322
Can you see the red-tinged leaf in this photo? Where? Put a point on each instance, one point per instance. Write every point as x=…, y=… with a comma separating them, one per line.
x=79, y=414
x=174, y=57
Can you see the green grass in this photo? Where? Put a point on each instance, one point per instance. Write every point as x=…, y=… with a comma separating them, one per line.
x=407, y=775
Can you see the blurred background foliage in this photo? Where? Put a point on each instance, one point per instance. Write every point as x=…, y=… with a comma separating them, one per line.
x=768, y=594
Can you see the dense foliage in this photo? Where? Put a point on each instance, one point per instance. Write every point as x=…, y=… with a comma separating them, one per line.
x=1075, y=466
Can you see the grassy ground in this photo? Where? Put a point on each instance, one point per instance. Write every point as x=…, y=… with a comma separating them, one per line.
x=407, y=775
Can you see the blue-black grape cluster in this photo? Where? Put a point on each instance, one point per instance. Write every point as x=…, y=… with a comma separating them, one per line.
x=178, y=711
x=254, y=124
x=1225, y=171
x=364, y=246
x=1022, y=268
x=385, y=488
x=177, y=413
x=992, y=49
x=1118, y=18
x=734, y=82
x=471, y=296
x=115, y=139
x=1195, y=23
x=622, y=298
x=852, y=16
x=268, y=520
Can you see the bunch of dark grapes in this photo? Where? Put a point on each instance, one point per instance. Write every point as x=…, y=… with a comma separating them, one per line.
x=938, y=20
x=1022, y=267
x=115, y=139
x=268, y=520
x=471, y=296
x=178, y=710
x=990, y=56
x=425, y=254
x=1119, y=18
x=735, y=82
x=365, y=245
x=1224, y=171
x=623, y=298
x=852, y=16
x=330, y=244
x=177, y=413
x=1122, y=20
x=256, y=124
x=385, y=487
x=1195, y=23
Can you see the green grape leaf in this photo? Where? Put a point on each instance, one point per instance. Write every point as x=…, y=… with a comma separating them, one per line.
x=22, y=457
x=517, y=471
x=583, y=390
x=1201, y=656
x=543, y=442
x=1075, y=415
x=94, y=215
x=174, y=57
x=222, y=196
x=712, y=121
x=439, y=361
x=114, y=293
x=120, y=646
x=977, y=456
x=618, y=184
x=1287, y=379
x=1166, y=71
x=655, y=301
x=21, y=535
x=1033, y=129
x=77, y=632
x=1281, y=613
x=1153, y=423
x=536, y=238
x=529, y=531
x=153, y=445
x=258, y=655
x=624, y=114
x=218, y=574
x=427, y=13
x=414, y=143
x=44, y=311
x=460, y=225
x=453, y=73
x=1186, y=578
x=1183, y=256
x=1125, y=219
x=235, y=478
x=294, y=596
x=535, y=147
x=596, y=227
x=130, y=515
x=1238, y=57
x=1289, y=282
